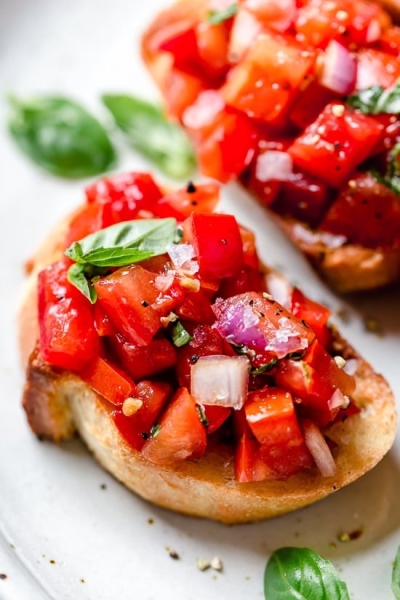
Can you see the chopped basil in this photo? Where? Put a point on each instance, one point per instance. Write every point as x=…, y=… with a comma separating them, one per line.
x=162, y=141
x=180, y=337
x=396, y=576
x=300, y=573
x=215, y=17
x=60, y=136
x=155, y=430
x=116, y=246
x=377, y=100
x=265, y=368
x=392, y=177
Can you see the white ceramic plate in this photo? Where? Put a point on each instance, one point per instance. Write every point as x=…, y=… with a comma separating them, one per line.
x=62, y=535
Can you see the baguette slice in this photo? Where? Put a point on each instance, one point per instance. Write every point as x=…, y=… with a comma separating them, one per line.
x=348, y=268
x=58, y=404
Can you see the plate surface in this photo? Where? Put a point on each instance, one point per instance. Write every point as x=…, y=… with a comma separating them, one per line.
x=67, y=529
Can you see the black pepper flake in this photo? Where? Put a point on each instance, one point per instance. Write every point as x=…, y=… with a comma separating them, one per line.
x=191, y=188
x=251, y=302
x=3, y=576
x=194, y=358
x=145, y=303
x=82, y=580
x=173, y=553
x=150, y=521
x=305, y=324
x=52, y=561
x=103, y=486
x=194, y=203
x=145, y=435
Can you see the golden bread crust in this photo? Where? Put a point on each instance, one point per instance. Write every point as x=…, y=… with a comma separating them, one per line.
x=59, y=403
x=348, y=268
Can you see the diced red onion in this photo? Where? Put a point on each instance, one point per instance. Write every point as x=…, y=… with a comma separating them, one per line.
x=274, y=165
x=319, y=449
x=351, y=366
x=244, y=31
x=220, y=380
x=304, y=234
x=339, y=70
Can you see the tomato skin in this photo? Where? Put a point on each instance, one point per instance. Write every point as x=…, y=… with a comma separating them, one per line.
x=102, y=321
x=89, y=219
x=309, y=103
x=67, y=336
x=314, y=314
x=266, y=81
x=196, y=307
x=313, y=380
x=136, y=428
x=131, y=299
x=143, y=361
x=181, y=435
x=335, y=143
x=246, y=279
x=249, y=466
x=218, y=244
x=216, y=416
x=370, y=203
x=180, y=90
x=108, y=380
x=181, y=203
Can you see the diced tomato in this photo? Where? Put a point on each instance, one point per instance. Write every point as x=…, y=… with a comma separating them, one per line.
x=309, y=103
x=389, y=137
x=262, y=325
x=314, y=379
x=196, y=307
x=370, y=203
x=303, y=197
x=183, y=202
x=180, y=435
x=272, y=418
x=218, y=244
x=215, y=416
x=142, y=361
x=180, y=90
x=275, y=14
x=389, y=41
x=136, y=428
x=376, y=68
x=335, y=143
x=67, y=336
x=268, y=78
x=108, y=380
x=182, y=45
x=246, y=279
x=206, y=341
x=229, y=147
x=212, y=48
x=348, y=21
x=314, y=314
x=249, y=466
x=126, y=194
x=249, y=247
x=89, y=219
x=102, y=321
x=130, y=298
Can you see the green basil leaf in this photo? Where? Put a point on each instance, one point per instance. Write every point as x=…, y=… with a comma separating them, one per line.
x=78, y=277
x=377, y=100
x=215, y=17
x=150, y=133
x=265, y=368
x=301, y=574
x=396, y=576
x=180, y=337
x=60, y=136
x=147, y=236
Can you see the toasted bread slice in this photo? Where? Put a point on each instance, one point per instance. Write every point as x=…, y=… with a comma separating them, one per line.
x=347, y=268
x=58, y=404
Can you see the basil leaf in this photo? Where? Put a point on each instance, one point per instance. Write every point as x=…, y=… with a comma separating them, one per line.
x=180, y=337
x=113, y=245
x=60, y=136
x=377, y=100
x=150, y=133
x=301, y=574
x=116, y=246
x=396, y=576
x=215, y=17
x=265, y=368
x=79, y=278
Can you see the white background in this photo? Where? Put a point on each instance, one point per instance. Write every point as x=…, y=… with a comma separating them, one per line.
x=52, y=507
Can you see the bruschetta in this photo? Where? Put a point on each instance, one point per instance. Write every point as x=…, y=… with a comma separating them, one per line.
x=299, y=102
x=197, y=377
